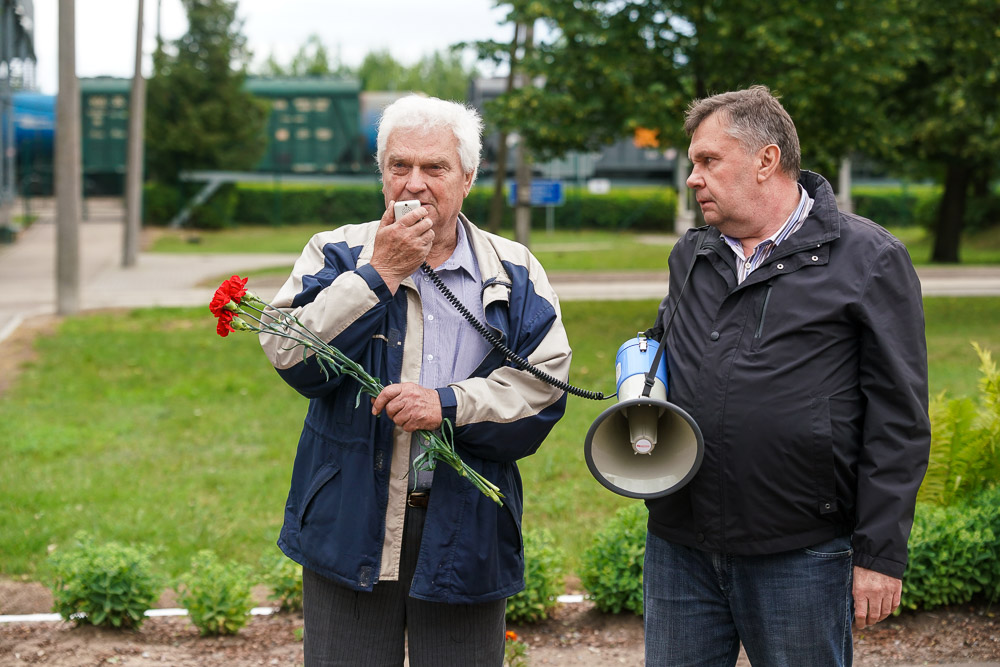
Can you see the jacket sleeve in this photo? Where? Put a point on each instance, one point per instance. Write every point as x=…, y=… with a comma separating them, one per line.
x=896, y=431
x=343, y=304
x=506, y=415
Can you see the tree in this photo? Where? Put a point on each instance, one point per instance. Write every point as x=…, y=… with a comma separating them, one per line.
x=441, y=74
x=380, y=71
x=947, y=110
x=312, y=59
x=614, y=67
x=199, y=114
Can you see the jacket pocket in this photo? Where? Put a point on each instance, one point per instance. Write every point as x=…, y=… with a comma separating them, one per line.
x=758, y=333
x=824, y=472
x=324, y=475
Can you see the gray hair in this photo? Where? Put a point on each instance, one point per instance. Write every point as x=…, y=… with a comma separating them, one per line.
x=428, y=113
x=756, y=119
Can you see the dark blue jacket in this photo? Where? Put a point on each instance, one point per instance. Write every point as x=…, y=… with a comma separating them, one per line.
x=344, y=515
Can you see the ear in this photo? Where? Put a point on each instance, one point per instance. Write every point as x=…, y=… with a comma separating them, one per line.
x=768, y=161
x=469, y=178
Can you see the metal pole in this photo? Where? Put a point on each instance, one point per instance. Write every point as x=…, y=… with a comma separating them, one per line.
x=133, y=173
x=522, y=210
x=7, y=108
x=685, y=216
x=844, y=200
x=67, y=167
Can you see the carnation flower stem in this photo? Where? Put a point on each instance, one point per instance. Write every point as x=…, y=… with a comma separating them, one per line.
x=436, y=446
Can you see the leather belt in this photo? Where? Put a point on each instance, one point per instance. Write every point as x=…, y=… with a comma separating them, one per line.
x=418, y=498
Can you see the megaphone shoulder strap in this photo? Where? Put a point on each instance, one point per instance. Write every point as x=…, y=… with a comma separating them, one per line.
x=651, y=373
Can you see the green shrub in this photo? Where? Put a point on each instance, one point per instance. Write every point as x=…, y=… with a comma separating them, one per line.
x=215, y=213
x=982, y=212
x=216, y=594
x=611, y=568
x=646, y=208
x=110, y=585
x=160, y=203
x=954, y=553
x=543, y=579
x=278, y=204
x=912, y=205
x=965, y=440
x=284, y=577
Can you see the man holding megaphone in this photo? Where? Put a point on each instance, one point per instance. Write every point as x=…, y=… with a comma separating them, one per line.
x=798, y=348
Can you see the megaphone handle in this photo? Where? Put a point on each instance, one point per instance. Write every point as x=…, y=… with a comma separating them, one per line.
x=651, y=373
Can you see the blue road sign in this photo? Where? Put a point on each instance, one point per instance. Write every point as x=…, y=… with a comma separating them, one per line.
x=544, y=192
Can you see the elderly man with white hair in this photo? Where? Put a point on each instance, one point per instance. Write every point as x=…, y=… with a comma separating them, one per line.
x=390, y=552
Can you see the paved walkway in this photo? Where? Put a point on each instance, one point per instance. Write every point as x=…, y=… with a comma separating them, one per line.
x=27, y=272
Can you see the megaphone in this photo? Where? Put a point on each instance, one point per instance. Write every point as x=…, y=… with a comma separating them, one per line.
x=643, y=446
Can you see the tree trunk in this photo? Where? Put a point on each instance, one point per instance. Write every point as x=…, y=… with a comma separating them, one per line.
x=500, y=177
x=951, y=214
x=522, y=209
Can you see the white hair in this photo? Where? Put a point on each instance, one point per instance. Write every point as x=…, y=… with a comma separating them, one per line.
x=428, y=113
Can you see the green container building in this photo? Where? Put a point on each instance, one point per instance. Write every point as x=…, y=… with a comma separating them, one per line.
x=314, y=128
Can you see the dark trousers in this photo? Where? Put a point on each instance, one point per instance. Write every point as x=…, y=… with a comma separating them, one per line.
x=351, y=629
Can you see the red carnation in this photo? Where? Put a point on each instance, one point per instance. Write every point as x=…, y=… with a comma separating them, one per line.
x=225, y=323
x=232, y=289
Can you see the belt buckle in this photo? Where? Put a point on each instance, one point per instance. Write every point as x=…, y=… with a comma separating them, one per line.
x=418, y=498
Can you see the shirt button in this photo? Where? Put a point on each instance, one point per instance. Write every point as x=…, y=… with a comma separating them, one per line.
x=714, y=335
x=430, y=357
x=430, y=317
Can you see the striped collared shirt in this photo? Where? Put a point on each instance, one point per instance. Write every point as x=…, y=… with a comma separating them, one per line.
x=746, y=265
x=452, y=347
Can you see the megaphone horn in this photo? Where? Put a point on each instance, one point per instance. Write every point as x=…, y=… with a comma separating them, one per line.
x=643, y=446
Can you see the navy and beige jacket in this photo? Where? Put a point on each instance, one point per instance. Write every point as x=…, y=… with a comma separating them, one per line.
x=345, y=509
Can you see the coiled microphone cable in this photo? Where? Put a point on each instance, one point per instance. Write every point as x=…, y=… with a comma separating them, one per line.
x=503, y=349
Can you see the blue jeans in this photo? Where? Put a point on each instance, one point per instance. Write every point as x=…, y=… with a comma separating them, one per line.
x=790, y=609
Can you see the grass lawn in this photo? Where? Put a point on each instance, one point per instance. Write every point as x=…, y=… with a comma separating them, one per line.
x=560, y=250
x=587, y=250
x=146, y=427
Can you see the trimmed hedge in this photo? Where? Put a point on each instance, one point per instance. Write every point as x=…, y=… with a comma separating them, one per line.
x=914, y=205
x=644, y=208
x=647, y=208
x=627, y=208
x=917, y=206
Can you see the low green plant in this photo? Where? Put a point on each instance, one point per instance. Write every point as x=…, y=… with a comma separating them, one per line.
x=284, y=577
x=109, y=585
x=611, y=570
x=216, y=594
x=954, y=553
x=514, y=651
x=965, y=439
x=543, y=579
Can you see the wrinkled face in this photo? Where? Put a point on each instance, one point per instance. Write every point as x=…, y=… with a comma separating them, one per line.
x=425, y=165
x=723, y=177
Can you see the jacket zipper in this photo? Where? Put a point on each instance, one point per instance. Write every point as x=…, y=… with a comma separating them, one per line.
x=763, y=311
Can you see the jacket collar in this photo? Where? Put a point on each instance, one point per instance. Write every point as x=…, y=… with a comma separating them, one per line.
x=823, y=223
